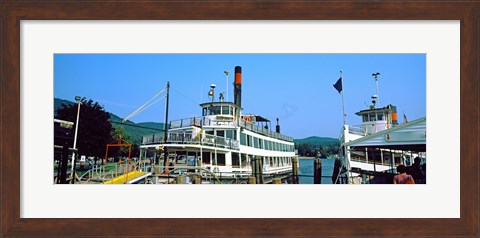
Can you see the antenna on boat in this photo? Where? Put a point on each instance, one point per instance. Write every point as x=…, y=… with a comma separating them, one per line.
x=226, y=72
x=376, y=83
x=277, y=129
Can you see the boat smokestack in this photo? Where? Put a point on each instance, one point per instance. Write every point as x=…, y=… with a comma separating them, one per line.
x=394, y=115
x=237, y=91
x=277, y=128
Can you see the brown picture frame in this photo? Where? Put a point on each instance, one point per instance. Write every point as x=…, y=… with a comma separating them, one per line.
x=12, y=12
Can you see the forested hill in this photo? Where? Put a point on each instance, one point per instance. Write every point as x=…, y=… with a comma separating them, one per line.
x=135, y=131
x=310, y=146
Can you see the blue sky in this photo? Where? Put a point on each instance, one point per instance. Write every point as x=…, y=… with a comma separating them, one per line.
x=296, y=88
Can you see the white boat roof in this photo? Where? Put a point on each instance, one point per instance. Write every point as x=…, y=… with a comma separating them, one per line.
x=411, y=136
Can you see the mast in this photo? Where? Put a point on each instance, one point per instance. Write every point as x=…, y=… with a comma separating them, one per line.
x=376, y=84
x=343, y=106
x=165, y=154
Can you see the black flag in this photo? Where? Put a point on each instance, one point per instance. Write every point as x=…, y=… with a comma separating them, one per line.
x=338, y=85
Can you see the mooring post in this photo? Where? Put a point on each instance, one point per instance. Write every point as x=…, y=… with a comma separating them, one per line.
x=317, y=172
x=295, y=170
x=277, y=181
x=197, y=179
x=259, y=170
x=180, y=179
x=252, y=180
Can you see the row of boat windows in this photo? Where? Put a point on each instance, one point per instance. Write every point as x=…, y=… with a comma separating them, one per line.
x=373, y=117
x=244, y=160
x=218, y=110
x=258, y=143
x=219, y=159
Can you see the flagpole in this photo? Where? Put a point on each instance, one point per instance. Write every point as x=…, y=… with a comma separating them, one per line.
x=343, y=106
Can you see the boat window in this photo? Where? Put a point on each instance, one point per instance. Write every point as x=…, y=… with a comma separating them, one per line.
x=255, y=142
x=209, y=132
x=220, y=159
x=204, y=111
x=220, y=133
x=206, y=157
x=230, y=134
x=225, y=110
x=243, y=139
x=235, y=160
x=365, y=117
x=249, y=140
x=372, y=117
x=380, y=116
x=260, y=144
x=214, y=110
x=243, y=160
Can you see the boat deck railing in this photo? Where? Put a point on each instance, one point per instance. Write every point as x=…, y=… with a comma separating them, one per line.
x=192, y=138
x=200, y=122
x=264, y=131
x=186, y=122
x=358, y=130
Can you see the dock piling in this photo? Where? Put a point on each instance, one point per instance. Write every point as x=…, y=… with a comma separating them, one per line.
x=317, y=172
x=277, y=181
x=180, y=179
x=257, y=169
x=295, y=170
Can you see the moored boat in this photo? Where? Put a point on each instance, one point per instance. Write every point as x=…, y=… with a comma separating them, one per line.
x=370, y=152
x=222, y=142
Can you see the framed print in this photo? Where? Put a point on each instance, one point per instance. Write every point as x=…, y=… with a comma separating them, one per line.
x=39, y=37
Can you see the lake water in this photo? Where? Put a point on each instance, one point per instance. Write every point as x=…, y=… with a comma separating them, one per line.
x=306, y=171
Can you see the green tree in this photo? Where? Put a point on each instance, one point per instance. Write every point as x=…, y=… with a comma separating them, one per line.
x=119, y=131
x=94, y=129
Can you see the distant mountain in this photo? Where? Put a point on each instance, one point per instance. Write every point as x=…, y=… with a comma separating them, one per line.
x=318, y=140
x=313, y=145
x=133, y=130
x=57, y=103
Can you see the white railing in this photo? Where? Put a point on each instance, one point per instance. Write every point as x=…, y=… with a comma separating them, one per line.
x=357, y=130
x=191, y=138
x=205, y=121
x=261, y=130
x=186, y=122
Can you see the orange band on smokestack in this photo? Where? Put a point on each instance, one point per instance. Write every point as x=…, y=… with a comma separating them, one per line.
x=238, y=78
x=238, y=75
x=394, y=116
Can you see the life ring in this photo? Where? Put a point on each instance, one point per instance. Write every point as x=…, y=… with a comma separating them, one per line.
x=247, y=118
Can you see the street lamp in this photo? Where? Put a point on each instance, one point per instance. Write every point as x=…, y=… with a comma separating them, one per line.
x=79, y=100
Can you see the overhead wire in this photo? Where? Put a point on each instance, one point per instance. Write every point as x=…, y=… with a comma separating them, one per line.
x=181, y=94
x=141, y=108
